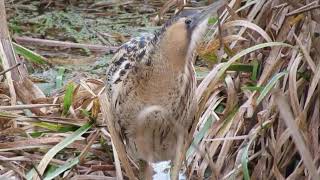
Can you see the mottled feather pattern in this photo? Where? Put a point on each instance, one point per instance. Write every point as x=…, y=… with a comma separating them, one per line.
x=151, y=85
x=126, y=57
x=153, y=99
x=133, y=51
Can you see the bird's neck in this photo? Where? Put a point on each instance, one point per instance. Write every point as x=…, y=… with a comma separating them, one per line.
x=172, y=56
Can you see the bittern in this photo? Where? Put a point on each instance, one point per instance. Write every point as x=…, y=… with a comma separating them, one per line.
x=151, y=85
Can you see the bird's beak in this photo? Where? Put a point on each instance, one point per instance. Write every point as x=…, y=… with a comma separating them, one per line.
x=204, y=15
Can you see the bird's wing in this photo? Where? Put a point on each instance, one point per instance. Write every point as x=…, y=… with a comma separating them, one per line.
x=125, y=62
x=127, y=57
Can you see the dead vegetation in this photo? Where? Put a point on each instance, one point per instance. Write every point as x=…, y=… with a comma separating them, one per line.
x=258, y=100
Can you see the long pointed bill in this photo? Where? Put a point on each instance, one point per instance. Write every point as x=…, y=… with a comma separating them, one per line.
x=206, y=13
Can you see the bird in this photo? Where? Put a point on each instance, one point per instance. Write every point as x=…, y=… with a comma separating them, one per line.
x=151, y=87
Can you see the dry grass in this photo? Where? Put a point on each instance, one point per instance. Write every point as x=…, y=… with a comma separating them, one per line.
x=278, y=133
x=257, y=124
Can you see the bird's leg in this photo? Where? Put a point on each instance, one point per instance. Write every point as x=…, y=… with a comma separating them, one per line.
x=145, y=170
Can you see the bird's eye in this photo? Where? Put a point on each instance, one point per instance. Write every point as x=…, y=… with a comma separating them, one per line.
x=188, y=21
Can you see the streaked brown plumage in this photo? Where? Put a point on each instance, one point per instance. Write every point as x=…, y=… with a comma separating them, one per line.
x=151, y=84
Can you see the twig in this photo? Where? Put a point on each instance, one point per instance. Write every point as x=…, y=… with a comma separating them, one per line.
x=53, y=43
x=117, y=162
x=228, y=138
x=302, y=10
x=85, y=151
x=3, y=72
x=26, y=106
x=37, y=171
x=59, y=120
x=305, y=54
x=220, y=28
x=102, y=4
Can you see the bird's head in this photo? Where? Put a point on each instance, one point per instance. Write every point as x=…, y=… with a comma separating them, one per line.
x=181, y=35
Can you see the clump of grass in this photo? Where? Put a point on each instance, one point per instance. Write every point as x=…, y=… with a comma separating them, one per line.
x=257, y=142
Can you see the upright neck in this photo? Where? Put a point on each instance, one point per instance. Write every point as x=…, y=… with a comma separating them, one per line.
x=172, y=54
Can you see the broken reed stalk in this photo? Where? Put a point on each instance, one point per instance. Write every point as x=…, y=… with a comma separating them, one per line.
x=7, y=70
x=6, y=53
x=17, y=78
x=61, y=44
x=25, y=106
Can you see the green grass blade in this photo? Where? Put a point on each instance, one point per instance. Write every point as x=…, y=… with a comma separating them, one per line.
x=37, y=134
x=200, y=135
x=85, y=112
x=29, y=55
x=67, y=100
x=245, y=156
x=61, y=169
x=255, y=69
x=55, y=127
x=244, y=162
x=50, y=169
x=200, y=74
x=207, y=125
x=59, y=78
x=243, y=53
x=239, y=67
x=54, y=150
x=269, y=86
x=212, y=20
x=252, y=88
